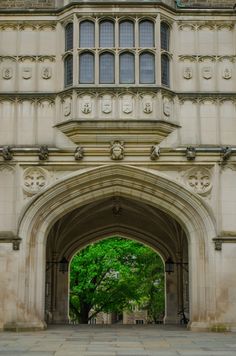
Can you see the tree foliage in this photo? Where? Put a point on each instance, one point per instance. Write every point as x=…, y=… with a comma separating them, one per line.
x=106, y=276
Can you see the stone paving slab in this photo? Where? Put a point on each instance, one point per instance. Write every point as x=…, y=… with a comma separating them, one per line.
x=117, y=340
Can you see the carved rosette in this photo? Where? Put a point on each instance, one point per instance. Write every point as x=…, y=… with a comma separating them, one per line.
x=199, y=180
x=34, y=180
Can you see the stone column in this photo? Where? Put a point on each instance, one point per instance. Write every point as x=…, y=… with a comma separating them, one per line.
x=171, y=315
x=61, y=309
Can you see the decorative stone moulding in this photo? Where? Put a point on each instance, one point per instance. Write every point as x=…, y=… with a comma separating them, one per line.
x=199, y=180
x=138, y=132
x=34, y=180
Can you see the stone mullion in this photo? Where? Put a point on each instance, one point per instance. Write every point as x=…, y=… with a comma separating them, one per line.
x=117, y=62
x=97, y=51
x=158, y=49
x=136, y=44
x=75, y=52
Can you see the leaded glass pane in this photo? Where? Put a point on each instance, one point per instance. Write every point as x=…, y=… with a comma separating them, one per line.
x=69, y=37
x=147, y=68
x=106, y=34
x=146, y=34
x=126, y=34
x=86, y=68
x=68, y=71
x=165, y=34
x=86, y=37
x=106, y=68
x=126, y=68
x=165, y=70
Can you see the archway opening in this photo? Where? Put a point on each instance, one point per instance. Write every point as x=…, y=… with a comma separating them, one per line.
x=116, y=281
x=126, y=218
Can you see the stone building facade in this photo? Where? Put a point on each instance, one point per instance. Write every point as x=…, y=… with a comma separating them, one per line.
x=117, y=119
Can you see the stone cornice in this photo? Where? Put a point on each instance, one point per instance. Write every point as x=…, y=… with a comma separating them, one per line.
x=194, y=96
x=9, y=237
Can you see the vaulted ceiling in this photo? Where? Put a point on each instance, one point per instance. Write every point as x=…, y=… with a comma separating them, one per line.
x=117, y=216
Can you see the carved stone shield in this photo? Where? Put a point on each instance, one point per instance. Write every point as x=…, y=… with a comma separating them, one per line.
x=127, y=106
x=7, y=73
x=227, y=73
x=207, y=72
x=67, y=109
x=46, y=73
x=166, y=108
x=106, y=106
x=187, y=72
x=147, y=107
x=26, y=73
x=86, y=106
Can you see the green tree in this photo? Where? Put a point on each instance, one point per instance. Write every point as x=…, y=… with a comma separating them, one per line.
x=108, y=275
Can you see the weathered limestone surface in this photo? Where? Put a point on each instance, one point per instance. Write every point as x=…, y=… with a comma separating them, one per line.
x=207, y=3
x=89, y=161
x=42, y=4
x=27, y=4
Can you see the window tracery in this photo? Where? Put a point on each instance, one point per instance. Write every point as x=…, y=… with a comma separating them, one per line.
x=119, y=51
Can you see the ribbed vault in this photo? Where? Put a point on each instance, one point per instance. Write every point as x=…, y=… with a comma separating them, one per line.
x=117, y=216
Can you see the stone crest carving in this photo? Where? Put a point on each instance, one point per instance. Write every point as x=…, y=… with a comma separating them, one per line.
x=7, y=153
x=166, y=108
x=86, y=106
x=26, y=73
x=199, y=180
x=67, y=109
x=106, y=106
x=155, y=152
x=227, y=73
x=7, y=73
x=117, y=150
x=43, y=153
x=127, y=106
x=35, y=179
x=207, y=72
x=188, y=72
x=79, y=153
x=147, y=107
x=46, y=73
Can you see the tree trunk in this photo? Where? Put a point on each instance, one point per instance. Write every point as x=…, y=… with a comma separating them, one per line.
x=84, y=313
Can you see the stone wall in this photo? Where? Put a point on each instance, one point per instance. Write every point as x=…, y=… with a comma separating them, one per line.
x=41, y=4
x=206, y=3
x=20, y=4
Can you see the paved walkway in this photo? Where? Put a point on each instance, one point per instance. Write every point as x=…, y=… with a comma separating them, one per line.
x=120, y=340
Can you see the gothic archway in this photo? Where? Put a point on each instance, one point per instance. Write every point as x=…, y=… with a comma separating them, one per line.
x=142, y=185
